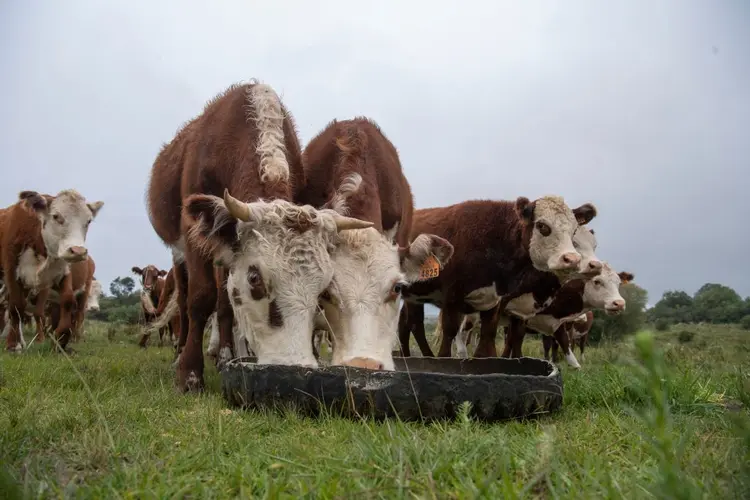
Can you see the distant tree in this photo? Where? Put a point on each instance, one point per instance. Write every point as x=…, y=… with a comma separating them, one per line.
x=122, y=287
x=675, y=306
x=716, y=303
x=628, y=322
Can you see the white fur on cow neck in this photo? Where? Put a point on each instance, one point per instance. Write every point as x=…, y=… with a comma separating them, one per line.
x=36, y=271
x=146, y=301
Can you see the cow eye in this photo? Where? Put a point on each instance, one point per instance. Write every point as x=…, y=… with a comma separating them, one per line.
x=395, y=291
x=59, y=218
x=543, y=228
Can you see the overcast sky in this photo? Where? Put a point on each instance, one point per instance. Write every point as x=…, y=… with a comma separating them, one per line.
x=642, y=108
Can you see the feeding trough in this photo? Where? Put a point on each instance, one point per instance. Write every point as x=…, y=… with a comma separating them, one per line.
x=419, y=388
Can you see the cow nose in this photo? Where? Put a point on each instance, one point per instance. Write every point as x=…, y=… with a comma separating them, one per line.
x=594, y=266
x=571, y=259
x=77, y=253
x=618, y=305
x=368, y=363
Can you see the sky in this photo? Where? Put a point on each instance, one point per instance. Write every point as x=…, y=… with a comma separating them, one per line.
x=642, y=108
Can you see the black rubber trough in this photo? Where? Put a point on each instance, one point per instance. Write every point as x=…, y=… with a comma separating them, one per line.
x=419, y=389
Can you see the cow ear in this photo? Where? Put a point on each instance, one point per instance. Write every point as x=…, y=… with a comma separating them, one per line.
x=625, y=277
x=37, y=202
x=137, y=270
x=425, y=257
x=585, y=213
x=162, y=272
x=525, y=209
x=212, y=229
x=95, y=207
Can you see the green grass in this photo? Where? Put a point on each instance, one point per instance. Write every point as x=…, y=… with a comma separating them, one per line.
x=108, y=423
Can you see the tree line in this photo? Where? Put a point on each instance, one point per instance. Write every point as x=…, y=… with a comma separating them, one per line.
x=712, y=303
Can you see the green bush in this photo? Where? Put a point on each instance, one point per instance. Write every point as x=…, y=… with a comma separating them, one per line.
x=745, y=322
x=661, y=325
x=685, y=336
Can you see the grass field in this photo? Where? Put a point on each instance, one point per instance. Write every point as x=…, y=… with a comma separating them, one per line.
x=108, y=423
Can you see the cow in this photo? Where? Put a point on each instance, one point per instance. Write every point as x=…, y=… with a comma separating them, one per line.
x=152, y=285
x=505, y=252
x=82, y=276
x=353, y=168
x=577, y=331
x=220, y=193
x=92, y=304
x=574, y=298
x=42, y=236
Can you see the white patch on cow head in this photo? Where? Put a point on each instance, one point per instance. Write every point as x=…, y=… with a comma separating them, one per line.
x=65, y=222
x=92, y=303
x=362, y=301
x=603, y=291
x=552, y=226
x=279, y=263
x=585, y=243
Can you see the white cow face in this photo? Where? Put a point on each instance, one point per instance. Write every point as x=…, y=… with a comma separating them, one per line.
x=362, y=302
x=65, y=221
x=585, y=244
x=551, y=225
x=279, y=263
x=92, y=304
x=603, y=291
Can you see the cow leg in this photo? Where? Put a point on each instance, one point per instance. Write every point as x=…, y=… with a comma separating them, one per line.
x=515, y=333
x=555, y=350
x=561, y=336
x=450, y=322
x=181, y=288
x=145, y=336
x=225, y=319
x=39, y=313
x=404, y=330
x=582, y=343
x=67, y=303
x=416, y=324
x=487, y=334
x=79, y=316
x=547, y=343
x=460, y=341
x=201, y=302
x=213, y=340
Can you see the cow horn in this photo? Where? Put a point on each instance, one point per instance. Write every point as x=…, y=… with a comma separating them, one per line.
x=237, y=208
x=343, y=223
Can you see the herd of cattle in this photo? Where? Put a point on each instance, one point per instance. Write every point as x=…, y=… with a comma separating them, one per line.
x=277, y=247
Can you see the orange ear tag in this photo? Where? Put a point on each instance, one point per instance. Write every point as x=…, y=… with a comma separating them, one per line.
x=430, y=268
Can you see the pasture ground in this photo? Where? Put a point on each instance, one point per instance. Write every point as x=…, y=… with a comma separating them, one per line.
x=108, y=423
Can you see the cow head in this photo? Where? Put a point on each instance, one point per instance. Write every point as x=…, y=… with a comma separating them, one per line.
x=65, y=221
x=278, y=256
x=92, y=304
x=362, y=301
x=584, y=241
x=603, y=291
x=550, y=227
x=149, y=275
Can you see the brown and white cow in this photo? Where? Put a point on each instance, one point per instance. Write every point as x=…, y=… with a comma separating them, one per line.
x=152, y=286
x=41, y=236
x=577, y=332
x=503, y=250
x=353, y=168
x=82, y=277
x=276, y=252
x=573, y=299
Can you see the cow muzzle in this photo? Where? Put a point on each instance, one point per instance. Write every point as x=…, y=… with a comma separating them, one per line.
x=367, y=363
x=593, y=268
x=616, y=307
x=75, y=254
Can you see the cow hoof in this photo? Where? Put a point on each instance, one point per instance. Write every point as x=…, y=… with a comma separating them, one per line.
x=225, y=355
x=192, y=382
x=16, y=349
